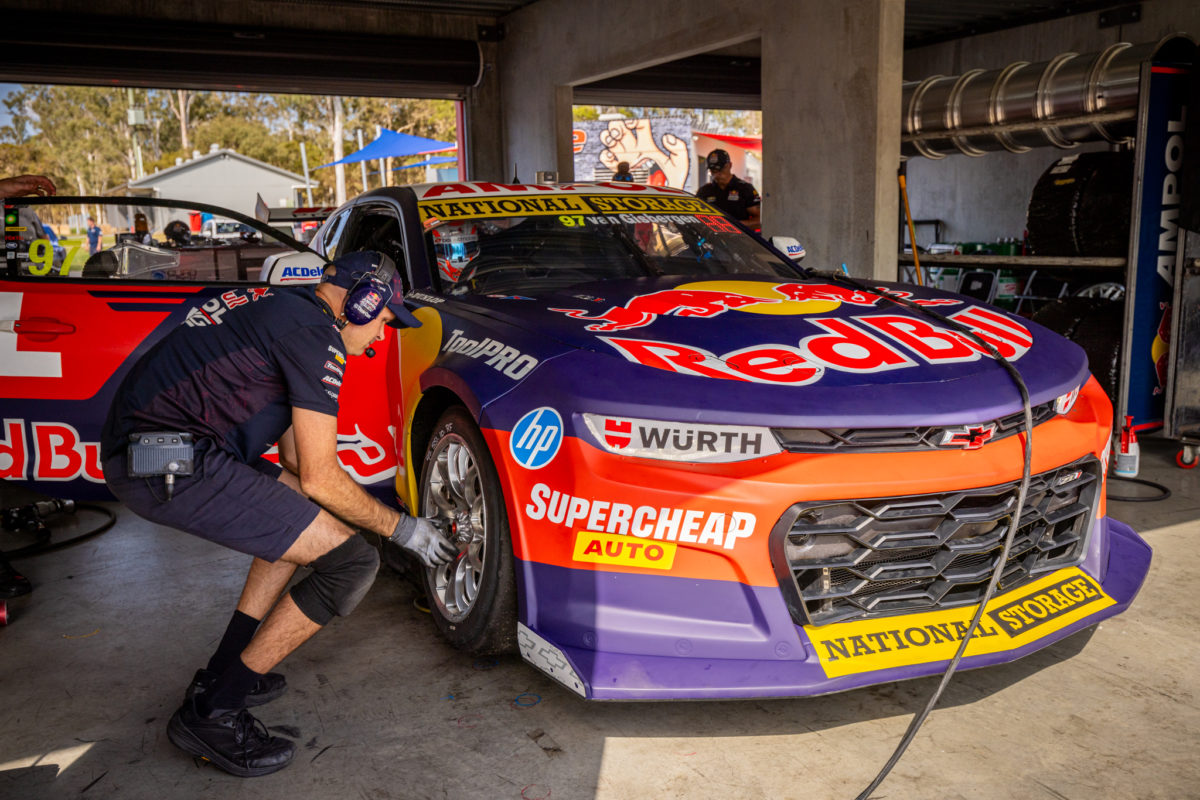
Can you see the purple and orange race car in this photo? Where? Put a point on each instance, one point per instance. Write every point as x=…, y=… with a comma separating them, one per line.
x=677, y=465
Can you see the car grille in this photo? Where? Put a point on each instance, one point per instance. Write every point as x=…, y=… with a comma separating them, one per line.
x=841, y=560
x=885, y=440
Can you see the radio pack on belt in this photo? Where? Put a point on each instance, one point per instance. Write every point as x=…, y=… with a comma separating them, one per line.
x=166, y=453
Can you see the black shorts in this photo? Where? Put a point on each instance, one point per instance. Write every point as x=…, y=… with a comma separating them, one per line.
x=243, y=507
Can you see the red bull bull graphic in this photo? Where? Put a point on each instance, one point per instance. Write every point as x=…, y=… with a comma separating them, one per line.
x=644, y=309
x=713, y=298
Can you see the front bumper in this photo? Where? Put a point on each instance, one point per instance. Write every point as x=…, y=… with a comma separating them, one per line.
x=732, y=640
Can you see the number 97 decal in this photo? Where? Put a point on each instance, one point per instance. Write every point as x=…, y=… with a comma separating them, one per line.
x=41, y=257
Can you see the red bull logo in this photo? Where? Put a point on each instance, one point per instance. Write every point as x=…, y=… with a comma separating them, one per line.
x=644, y=309
x=709, y=299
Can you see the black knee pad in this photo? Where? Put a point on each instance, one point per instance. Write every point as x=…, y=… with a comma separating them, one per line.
x=338, y=582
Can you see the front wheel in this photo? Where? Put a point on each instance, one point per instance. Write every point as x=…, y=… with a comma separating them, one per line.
x=474, y=597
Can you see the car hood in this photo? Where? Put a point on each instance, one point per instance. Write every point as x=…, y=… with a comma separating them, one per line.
x=745, y=347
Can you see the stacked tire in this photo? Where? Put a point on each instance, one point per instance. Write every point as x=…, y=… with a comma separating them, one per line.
x=1081, y=206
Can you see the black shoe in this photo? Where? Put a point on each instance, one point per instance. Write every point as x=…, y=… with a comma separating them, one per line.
x=266, y=688
x=233, y=740
x=12, y=583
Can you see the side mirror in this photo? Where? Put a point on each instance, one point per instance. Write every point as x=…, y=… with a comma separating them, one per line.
x=287, y=269
x=789, y=246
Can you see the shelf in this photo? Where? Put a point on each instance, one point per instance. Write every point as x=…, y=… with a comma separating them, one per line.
x=1016, y=262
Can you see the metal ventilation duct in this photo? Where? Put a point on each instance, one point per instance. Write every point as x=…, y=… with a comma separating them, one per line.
x=1062, y=102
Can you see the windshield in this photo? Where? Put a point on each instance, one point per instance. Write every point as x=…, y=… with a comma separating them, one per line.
x=132, y=239
x=542, y=253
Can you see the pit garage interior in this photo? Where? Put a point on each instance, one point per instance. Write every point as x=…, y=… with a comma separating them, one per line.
x=93, y=661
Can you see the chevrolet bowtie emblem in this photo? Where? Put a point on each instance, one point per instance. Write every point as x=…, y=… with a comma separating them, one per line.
x=970, y=437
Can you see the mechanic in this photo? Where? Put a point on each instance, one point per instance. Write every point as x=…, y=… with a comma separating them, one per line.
x=23, y=185
x=623, y=174
x=736, y=197
x=268, y=369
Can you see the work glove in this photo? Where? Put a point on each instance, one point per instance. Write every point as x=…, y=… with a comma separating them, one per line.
x=422, y=538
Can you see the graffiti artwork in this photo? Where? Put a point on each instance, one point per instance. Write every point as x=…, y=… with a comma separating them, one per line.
x=658, y=150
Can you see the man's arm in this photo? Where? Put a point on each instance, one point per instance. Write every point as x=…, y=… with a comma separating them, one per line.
x=287, y=452
x=313, y=436
x=755, y=213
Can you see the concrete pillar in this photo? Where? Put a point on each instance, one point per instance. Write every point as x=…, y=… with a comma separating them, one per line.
x=482, y=111
x=831, y=129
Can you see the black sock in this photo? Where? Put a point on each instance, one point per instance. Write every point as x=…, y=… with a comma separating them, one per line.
x=230, y=690
x=239, y=633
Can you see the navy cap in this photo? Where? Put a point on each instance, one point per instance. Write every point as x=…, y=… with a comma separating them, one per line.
x=717, y=159
x=370, y=266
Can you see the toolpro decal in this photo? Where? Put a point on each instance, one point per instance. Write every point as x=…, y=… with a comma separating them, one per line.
x=536, y=438
x=678, y=441
x=607, y=548
x=1012, y=620
x=842, y=344
x=692, y=525
x=508, y=361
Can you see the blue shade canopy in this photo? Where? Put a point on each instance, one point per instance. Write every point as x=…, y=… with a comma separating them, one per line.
x=429, y=162
x=394, y=145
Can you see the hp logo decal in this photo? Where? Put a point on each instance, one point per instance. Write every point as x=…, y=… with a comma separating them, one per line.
x=536, y=438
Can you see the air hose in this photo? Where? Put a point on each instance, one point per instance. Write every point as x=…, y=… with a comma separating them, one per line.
x=990, y=591
x=29, y=518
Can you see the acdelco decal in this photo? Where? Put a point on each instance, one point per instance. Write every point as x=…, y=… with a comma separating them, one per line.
x=1016, y=619
x=57, y=453
x=692, y=525
x=845, y=345
x=605, y=548
x=506, y=360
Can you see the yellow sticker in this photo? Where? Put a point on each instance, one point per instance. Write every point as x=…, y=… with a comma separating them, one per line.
x=648, y=204
x=626, y=551
x=1012, y=620
x=504, y=206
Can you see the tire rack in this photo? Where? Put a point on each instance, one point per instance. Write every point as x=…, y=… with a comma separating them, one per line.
x=1161, y=111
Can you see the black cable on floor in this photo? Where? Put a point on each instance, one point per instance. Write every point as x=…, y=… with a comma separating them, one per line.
x=1164, y=491
x=38, y=548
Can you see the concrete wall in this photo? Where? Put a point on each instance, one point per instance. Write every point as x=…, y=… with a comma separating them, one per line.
x=985, y=198
x=832, y=133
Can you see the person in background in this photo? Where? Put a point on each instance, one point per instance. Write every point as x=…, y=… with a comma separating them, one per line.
x=736, y=197
x=93, y=236
x=23, y=185
x=623, y=174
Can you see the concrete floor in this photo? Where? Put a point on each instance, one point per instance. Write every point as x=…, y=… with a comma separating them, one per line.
x=93, y=665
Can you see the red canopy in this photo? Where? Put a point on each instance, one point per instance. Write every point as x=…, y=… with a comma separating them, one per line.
x=745, y=142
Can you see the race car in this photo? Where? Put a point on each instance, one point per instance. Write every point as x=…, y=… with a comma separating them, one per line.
x=678, y=465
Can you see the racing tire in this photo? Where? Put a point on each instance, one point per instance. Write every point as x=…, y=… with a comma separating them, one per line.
x=1096, y=325
x=1181, y=459
x=1081, y=206
x=473, y=599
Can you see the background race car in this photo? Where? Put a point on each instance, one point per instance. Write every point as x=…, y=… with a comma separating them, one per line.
x=72, y=323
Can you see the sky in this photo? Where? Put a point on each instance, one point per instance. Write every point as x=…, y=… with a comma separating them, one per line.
x=5, y=89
